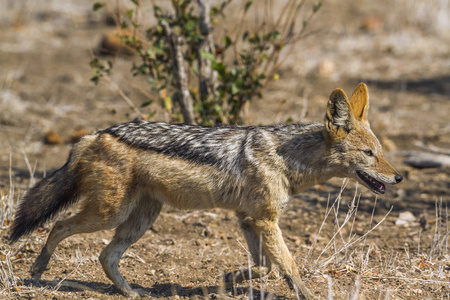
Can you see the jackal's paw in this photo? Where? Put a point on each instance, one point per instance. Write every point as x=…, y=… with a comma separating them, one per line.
x=246, y=274
x=36, y=273
x=131, y=294
x=136, y=293
x=233, y=277
x=36, y=282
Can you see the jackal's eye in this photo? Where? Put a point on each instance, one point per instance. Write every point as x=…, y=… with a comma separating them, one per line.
x=368, y=152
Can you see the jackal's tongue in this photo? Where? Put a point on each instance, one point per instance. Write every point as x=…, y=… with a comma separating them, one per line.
x=380, y=186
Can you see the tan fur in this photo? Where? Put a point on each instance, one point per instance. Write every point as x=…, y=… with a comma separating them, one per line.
x=124, y=186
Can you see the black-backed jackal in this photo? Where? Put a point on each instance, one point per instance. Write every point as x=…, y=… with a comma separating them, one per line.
x=123, y=175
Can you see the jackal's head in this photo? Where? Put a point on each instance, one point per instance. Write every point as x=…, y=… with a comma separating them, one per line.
x=354, y=150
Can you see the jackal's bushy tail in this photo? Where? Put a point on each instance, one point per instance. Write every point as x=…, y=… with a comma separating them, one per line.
x=44, y=200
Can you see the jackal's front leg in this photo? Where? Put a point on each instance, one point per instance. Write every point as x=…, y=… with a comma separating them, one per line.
x=278, y=253
x=254, y=242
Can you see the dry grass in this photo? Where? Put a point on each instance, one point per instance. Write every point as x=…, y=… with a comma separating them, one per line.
x=345, y=254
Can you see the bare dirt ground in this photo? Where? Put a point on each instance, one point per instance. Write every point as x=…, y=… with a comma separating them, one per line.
x=347, y=243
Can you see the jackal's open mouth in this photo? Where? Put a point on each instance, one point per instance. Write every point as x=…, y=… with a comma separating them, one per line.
x=375, y=185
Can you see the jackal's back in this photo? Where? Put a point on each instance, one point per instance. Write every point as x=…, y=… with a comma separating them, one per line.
x=229, y=148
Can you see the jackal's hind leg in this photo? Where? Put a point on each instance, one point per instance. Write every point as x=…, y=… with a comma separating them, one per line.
x=140, y=219
x=83, y=222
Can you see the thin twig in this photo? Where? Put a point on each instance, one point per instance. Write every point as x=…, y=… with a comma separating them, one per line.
x=355, y=241
x=124, y=97
x=73, y=271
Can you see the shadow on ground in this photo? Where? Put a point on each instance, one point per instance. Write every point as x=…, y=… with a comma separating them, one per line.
x=158, y=290
x=435, y=85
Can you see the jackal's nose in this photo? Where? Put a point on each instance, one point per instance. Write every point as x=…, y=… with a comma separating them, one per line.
x=398, y=178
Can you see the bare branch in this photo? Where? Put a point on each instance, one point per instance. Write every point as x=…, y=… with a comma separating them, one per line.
x=208, y=78
x=186, y=101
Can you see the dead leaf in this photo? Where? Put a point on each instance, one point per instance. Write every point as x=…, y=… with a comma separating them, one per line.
x=53, y=138
x=350, y=269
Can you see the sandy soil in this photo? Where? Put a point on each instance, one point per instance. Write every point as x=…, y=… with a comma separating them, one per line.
x=399, y=48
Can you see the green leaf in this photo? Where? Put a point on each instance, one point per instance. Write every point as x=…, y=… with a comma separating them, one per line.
x=217, y=108
x=190, y=25
x=95, y=63
x=157, y=9
x=135, y=2
x=245, y=35
x=276, y=34
x=168, y=103
x=130, y=13
x=97, y=6
x=151, y=54
x=247, y=5
x=255, y=39
x=317, y=6
x=219, y=67
x=234, y=89
x=159, y=46
x=207, y=55
x=147, y=103
x=227, y=41
x=95, y=79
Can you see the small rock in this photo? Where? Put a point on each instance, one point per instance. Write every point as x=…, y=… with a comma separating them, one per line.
x=405, y=218
x=400, y=193
x=199, y=243
x=422, y=160
x=326, y=68
x=296, y=239
x=151, y=272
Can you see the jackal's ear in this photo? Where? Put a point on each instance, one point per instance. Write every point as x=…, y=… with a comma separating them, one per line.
x=360, y=102
x=339, y=118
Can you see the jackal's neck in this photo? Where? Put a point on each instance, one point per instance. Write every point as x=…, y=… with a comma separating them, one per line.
x=307, y=160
